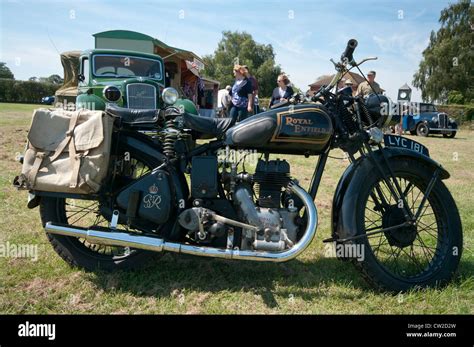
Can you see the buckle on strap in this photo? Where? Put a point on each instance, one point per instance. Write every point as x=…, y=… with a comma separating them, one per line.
x=39, y=158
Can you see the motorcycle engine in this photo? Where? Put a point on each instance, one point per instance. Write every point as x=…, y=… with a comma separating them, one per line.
x=260, y=201
x=269, y=178
x=273, y=211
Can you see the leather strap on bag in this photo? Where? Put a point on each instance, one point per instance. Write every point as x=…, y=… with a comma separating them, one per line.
x=74, y=157
x=69, y=136
x=39, y=158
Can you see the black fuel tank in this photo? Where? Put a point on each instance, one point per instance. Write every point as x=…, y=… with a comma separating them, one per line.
x=295, y=129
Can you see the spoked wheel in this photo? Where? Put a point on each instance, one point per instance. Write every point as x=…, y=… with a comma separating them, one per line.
x=424, y=254
x=88, y=213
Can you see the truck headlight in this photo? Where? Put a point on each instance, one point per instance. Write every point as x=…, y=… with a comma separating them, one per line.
x=434, y=119
x=170, y=95
x=451, y=120
x=112, y=93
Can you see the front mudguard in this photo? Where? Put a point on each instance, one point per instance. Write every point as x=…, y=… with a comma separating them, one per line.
x=347, y=192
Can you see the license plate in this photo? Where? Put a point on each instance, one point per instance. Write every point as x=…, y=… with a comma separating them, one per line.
x=403, y=142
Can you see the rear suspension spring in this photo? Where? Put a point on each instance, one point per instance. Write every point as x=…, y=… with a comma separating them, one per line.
x=171, y=135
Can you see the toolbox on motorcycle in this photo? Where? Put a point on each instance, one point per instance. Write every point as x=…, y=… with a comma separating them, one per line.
x=67, y=151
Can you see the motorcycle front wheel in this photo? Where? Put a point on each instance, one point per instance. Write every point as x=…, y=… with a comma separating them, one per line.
x=426, y=254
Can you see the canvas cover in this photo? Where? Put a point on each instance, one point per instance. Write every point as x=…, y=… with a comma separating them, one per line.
x=67, y=151
x=68, y=91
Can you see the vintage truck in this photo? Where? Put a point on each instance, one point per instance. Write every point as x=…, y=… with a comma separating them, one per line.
x=127, y=79
x=96, y=77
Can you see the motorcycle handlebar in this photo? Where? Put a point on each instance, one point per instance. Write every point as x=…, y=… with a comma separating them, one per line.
x=346, y=58
x=347, y=54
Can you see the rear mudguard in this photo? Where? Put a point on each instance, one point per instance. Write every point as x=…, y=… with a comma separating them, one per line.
x=346, y=195
x=149, y=150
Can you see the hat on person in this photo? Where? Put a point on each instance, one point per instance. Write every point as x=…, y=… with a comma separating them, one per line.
x=348, y=82
x=228, y=87
x=371, y=72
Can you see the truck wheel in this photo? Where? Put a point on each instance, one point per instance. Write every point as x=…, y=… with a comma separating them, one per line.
x=422, y=130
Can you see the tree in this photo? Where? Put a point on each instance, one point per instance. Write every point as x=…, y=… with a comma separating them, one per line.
x=55, y=79
x=455, y=97
x=240, y=48
x=448, y=61
x=5, y=72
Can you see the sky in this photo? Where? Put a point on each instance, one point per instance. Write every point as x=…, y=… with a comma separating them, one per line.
x=304, y=34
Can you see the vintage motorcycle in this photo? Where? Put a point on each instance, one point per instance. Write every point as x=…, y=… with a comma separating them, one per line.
x=390, y=204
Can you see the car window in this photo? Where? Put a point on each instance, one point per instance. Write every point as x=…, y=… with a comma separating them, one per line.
x=427, y=108
x=124, y=66
x=125, y=72
x=105, y=70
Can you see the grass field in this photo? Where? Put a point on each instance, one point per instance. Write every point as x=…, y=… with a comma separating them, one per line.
x=312, y=283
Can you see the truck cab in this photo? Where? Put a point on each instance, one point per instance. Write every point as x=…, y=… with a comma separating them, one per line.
x=127, y=79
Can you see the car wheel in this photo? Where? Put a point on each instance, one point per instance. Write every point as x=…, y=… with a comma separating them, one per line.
x=422, y=130
x=450, y=135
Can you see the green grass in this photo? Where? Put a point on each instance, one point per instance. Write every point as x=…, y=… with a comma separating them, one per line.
x=312, y=283
x=16, y=114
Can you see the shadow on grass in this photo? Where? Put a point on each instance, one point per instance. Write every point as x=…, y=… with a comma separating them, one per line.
x=304, y=279
x=307, y=280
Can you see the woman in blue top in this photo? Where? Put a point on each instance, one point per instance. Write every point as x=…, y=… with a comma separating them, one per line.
x=283, y=92
x=242, y=95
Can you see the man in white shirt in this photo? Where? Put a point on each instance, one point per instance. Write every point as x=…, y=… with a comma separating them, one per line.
x=224, y=100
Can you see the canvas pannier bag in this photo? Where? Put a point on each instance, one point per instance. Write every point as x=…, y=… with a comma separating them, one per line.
x=67, y=151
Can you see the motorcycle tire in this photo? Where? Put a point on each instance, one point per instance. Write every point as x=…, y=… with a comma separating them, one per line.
x=78, y=252
x=440, y=261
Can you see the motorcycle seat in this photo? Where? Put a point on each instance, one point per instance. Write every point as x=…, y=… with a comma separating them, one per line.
x=207, y=125
x=134, y=117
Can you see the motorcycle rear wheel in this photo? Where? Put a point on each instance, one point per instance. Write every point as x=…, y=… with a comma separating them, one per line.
x=86, y=213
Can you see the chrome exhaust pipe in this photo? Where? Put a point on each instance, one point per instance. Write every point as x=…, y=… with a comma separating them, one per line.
x=125, y=239
x=108, y=238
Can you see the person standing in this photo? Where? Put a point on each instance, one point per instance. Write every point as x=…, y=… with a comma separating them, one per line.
x=283, y=92
x=242, y=95
x=366, y=88
x=224, y=100
x=348, y=83
x=254, y=81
